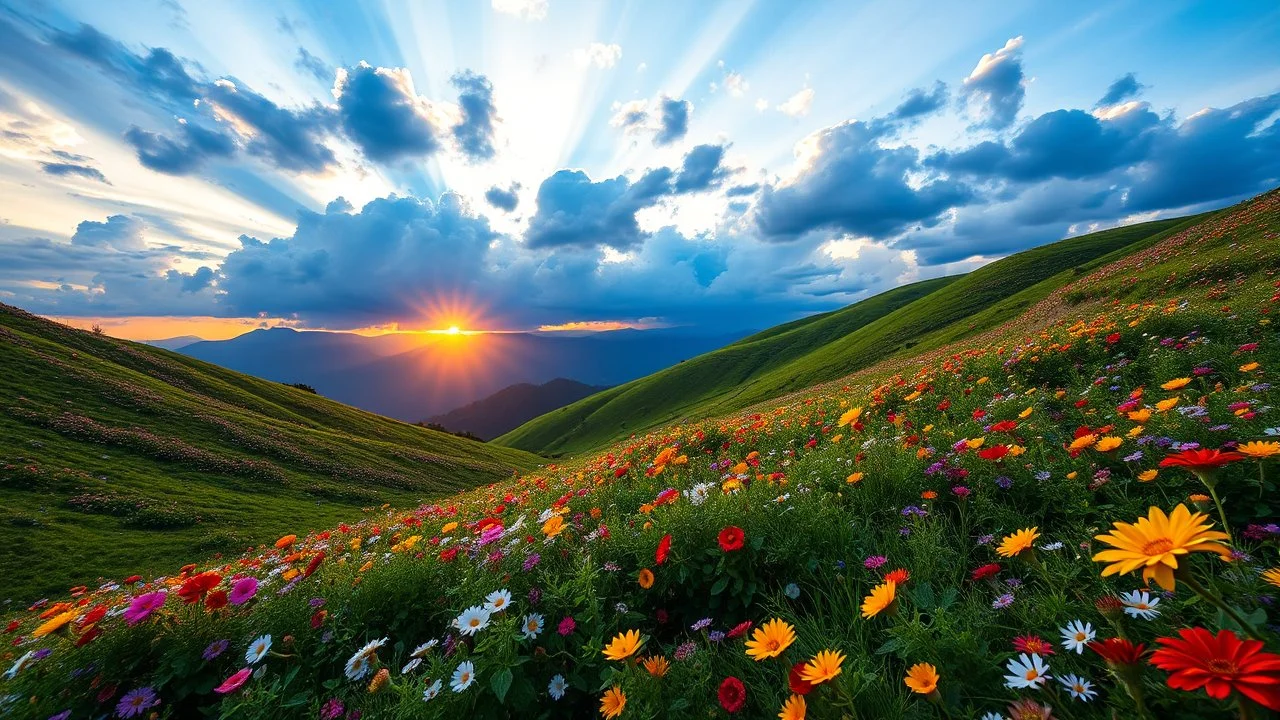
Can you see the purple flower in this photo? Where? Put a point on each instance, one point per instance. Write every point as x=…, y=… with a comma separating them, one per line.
x=216, y=648
x=532, y=561
x=567, y=626
x=986, y=539
x=137, y=702
x=1003, y=601
x=316, y=602
x=535, y=595
x=715, y=636
x=1135, y=457
x=961, y=491
x=874, y=562
x=685, y=651
x=61, y=716
x=332, y=710
x=702, y=624
x=141, y=607
x=243, y=590
x=1005, y=482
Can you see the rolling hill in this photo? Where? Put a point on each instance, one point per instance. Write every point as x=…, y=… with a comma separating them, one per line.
x=513, y=406
x=817, y=349
x=117, y=456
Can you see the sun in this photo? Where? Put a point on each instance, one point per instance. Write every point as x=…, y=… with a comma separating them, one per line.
x=453, y=330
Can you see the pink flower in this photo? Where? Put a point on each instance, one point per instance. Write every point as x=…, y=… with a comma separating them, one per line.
x=243, y=590
x=234, y=682
x=567, y=626
x=141, y=607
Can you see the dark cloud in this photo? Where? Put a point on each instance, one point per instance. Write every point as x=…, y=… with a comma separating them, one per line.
x=743, y=190
x=702, y=169
x=920, y=103
x=182, y=156
x=856, y=185
x=63, y=169
x=504, y=199
x=997, y=85
x=313, y=66
x=1123, y=89
x=673, y=120
x=159, y=72
x=380, y=112
x=474, y=132
x=288, y=139
x=573, y=210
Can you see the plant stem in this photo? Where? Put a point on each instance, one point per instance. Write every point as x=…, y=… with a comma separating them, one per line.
x=1223, y=606
x=1222, y=514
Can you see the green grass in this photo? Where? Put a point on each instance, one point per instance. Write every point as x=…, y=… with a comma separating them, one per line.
x=118, y=457
x=797, y=355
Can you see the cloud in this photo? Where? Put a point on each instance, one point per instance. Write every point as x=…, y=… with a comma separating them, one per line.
x=382, y=114
x=289, y=139
x=474, y=132
x=577, y=211
x=666, y=117
x=598, y=54
x=313, y=66
x=119, y=232
x=851, y=183
x=183, y=156
x=920, y=103
x=702, y=169
x=673, y=120
x=1125, y=88
x=797, y=105
x=997, y=85
x=63, y=169
x=523, y=9
x=159, y=72
x=504, y=199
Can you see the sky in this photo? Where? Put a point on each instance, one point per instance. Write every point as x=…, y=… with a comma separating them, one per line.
x=171, y=167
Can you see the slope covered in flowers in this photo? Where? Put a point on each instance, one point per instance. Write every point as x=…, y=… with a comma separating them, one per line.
x=1072, y=518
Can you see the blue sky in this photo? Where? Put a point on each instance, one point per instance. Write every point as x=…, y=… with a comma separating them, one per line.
x=513, y=164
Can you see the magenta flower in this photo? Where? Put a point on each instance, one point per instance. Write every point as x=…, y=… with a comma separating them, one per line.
x=874, y=562
x=234, y=682
x=243, y=590
x=141, y=607
x=567, y=626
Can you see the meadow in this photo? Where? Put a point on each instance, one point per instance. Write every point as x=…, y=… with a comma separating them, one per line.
x=1070, y=513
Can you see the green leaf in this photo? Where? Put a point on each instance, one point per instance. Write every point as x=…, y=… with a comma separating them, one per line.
x=720, y=585
x=501, y=683
x=890, y=645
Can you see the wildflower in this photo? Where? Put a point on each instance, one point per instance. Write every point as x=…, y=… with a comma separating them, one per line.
x=1272, y=576
x=684, y=651
x=732, y=695
x=854, y=478
x=623, y=645
x=258, y=649
x=770, y=640
x=716, y=636
x=216, y=648
x=243, y=590
x=379, y=681
x=359, y=664
x=463, y=676
x=823, y=667
x=1139, y=603
x=1118, y=652
x=566, y=626
x=432, y=691
x=793, y=709
x=613, y=702
x=731, y=538
x=1155, y=542
x=497, y=601
x=874, y=562
x=286, y=541
x=1032, y=644
x=849, y=416
x=472, y=620
x=410, y=666
x=1018, y=543
x=702, y=624
x=645, y=578
x=1200, y=460
x=792, y=591
x=56, y=623
x=1220, y=664
x=142, y=606
x=922, y=678
x=984, y=572
x=1079, y=688
x=1107, y=444
x=557, y=687
x=137, y=702
x=739, y=630
x=1026, y=671
x=898, y=577
x=1259, y=450
x=532, y=626
x=1076, y=635
x=553, y=526
x=656, y=665
x=1148, y=475
x=234, y=682
x=664, y=549
x=1002, y=602
x=1028, y=709
x=882, y=598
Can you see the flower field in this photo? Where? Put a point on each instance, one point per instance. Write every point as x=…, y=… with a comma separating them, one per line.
x=1075, y=518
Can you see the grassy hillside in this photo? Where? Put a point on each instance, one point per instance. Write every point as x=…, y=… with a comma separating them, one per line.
x=117, y=457
x=818, y=349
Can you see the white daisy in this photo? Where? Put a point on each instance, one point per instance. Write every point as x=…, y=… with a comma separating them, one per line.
x=18, y=666
x=1079, y=688
x=497, y=601
x=463, y=676
x=361, y=663
x=424, y=648
x=257, y=649
x=556, y=687
x=1026, y=671
x=993, y=716
x=411, y=666
x=472, y=620
x=1139, y=603
x=431, y=692
x=1077, y=634
x=532, y=626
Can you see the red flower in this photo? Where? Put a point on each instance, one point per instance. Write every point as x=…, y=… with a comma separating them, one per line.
x=315, y=563
x=12, y=626
x=1118, y=651
x=740, y=629
x=194, y=589
x=795, y=678
x=1113, y=338
x=1200, y=459
x=1032, y=644
x=216, y=599
x=664, y=549
x=132, y=579
x=986, y=571
x=733, y=696
x=1004, y=426
x=731, y=538
x=1220, y=664
x=88, y=636
x=318, y=619
x=995, y=452
x=898, y=577
x=448, y=555
x=94, y=615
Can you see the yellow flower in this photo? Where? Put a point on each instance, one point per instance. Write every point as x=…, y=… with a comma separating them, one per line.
x=613, y=702
x=793, y=708
x=835, y=440
x=1083, y=442
x=448, y=528
x=1272, y=576
x=656, y=665
x=1140, y=416
x=553, y=526
x=623, y=645
x=646, y=578
x=770, y=640
x=1016, y=450
x=1177, y=383
x=1026, y=413
x=1155, y=542
x=824, y=666
x=380, y=680
x=365, y=567
x=1259, y=450
x=854, y=478
x=849, y=417
x=1249, y=367
x=881, y=597
x=1148, y=475
x=1108, y=443
x=1166, y=405
x=922, y=678
x=55, y=623
x=1072, y=475
x=1135, y=431
x=1018, y=542
x=975, y=443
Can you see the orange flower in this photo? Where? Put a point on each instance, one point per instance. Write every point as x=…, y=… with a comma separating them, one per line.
x=646, y=578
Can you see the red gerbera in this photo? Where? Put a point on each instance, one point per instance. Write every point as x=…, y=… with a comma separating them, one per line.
x=740, y=629
x=986, y=571
x=216, y=599
x=731, y=538
x=664, y=549
x=1118, y=651
x=1005, y=426
x=1200, y=459
x=1220, y=664
x=733, y=696
x=1032, y=644
x=315, y=563
x=898, y=577
x=795, y=678
x=194, y=589
x=995, y=452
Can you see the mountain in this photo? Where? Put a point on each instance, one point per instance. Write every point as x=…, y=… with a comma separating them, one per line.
x=117, y=457
x=174, y=343
x=803, y=353
x=512, y=406
x=412, y=376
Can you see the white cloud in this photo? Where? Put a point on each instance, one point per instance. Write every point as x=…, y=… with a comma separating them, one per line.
x=797, y=105
x=762, y=105
x=524, y=9
x=990, y=61
x=598, y=54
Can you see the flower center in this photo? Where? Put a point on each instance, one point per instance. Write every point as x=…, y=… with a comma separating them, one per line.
x=1080, y=637
x=1159, y=546
x=1032, y=674
x=1222, y=667
x=474, y=622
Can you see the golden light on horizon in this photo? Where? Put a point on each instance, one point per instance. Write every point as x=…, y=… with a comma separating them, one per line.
x=453, y=330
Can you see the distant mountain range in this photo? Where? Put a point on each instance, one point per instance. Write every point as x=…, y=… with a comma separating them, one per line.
x=511, y=407
x=411, y=377
x=174, y=343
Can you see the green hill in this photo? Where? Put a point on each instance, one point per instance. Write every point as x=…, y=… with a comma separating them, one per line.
x=119, y=457
x=790, y=357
